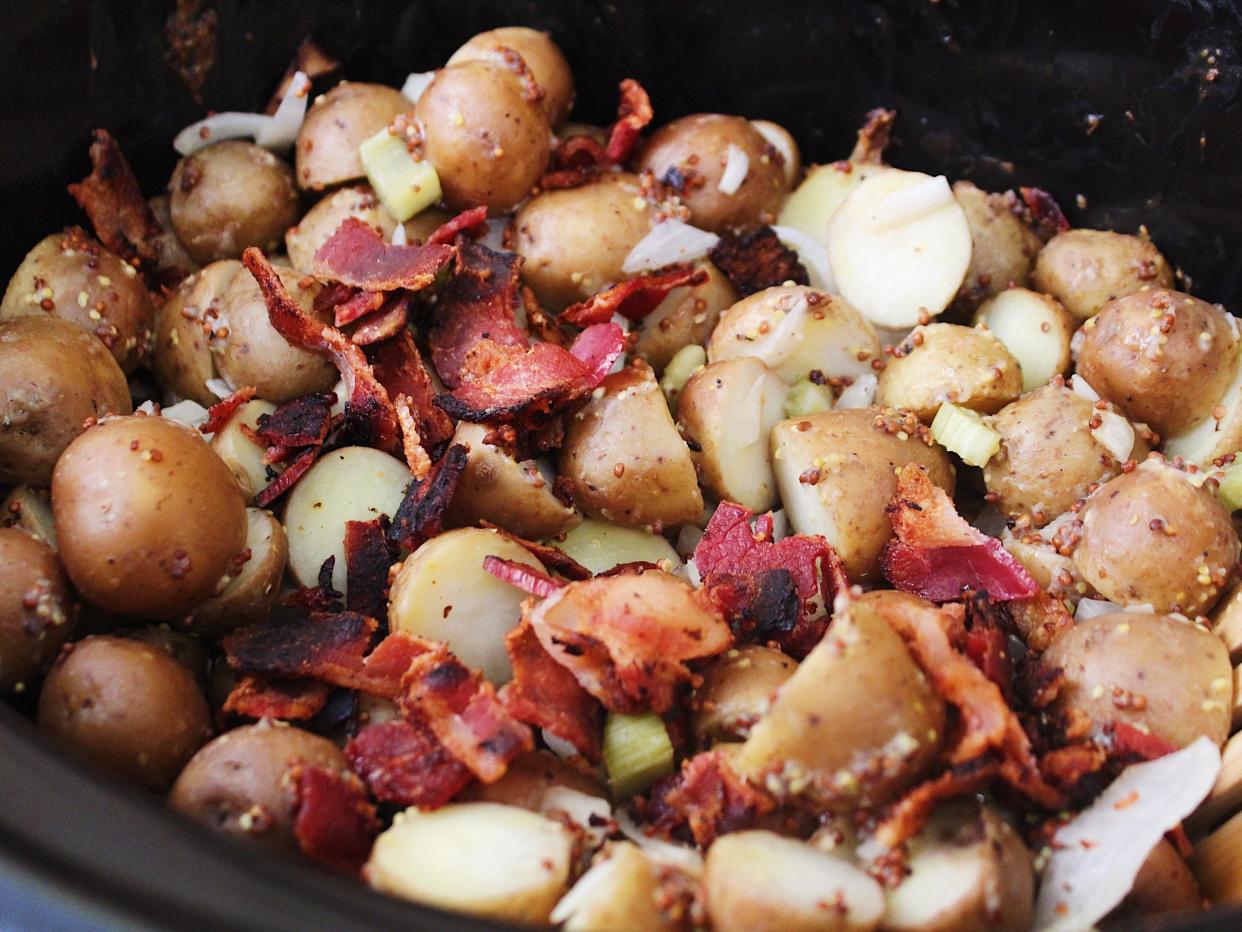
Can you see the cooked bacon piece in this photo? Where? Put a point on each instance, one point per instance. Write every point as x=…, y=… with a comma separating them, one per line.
x=1046, y=213
x=219, y=414
x=359, y=304
x=292, y=644
x=599, y=347
x=1130, y=745
x=521, y=576
x=288, y=700
x=399, y=367
x=544, y=694
x=874, y=136
x=938, y=555
x=312, y=61
x=554, y=558
x=707, y=798
x=633, y=114
x=626, y=639
x=633, y=298
x=387, y=322
x=420, y=516
x=757, y=261
x=302, y=422
x=1038, y=620
x=402, y=762
x=287, y=479
x=906, y=818
x=357, y=255
x=472, y=222
x=112, y=199
x=462, y=710
x=384, y=668
x=576, y=153
x=335, y=822
x=367, y=560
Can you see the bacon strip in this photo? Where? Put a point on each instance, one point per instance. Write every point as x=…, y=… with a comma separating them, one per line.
x=356, y=255
x=219, y=414
x=472, y=222
x=287, y=479
x=708, y=798
x=401, y=762
x=367, y=560
x=359, y=304
x=302, y=422
x=554, y=558
x=335, y=822
x=757, y=261
x=1046, y=213
x=387, y=322
x=633, y=298
x=288, y=700
x=521, y=576
x=112, y=198
x=633, y=114
x=420, y=516
x=288, y=644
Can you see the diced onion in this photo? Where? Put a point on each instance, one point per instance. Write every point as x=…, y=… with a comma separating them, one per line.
x=664, y=851
x=737, y=166
x=692, y=573
x=910, y=204
x=281, y=131
x=558, y=746
x=1082, y=388
x=416, y=83
x=778, y=140
x=962, y=431
x=1115, y=434
x=188, y=412
x=780, y=524
x=590, y=813
x=858, y=394
x=669, y=241
x=398, y=235
x=219, y=387
x=276, y=132
x=1094, y=608
x=812, y=253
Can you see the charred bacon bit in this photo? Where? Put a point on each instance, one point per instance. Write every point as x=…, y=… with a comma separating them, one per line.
x=359, y=304
x=287, y=479
x=874, y=137
x=554, y=558
x=541, y=324
x=634, y=112
x=402, y=763
x=367, y=560
x=472, y=222
x=906, y=818
x=312, y=61
x=112, y=199
x=757, y=261
x=288, y=700
x=335, y=822
x=218, y=415
x=399, y=367
x=708, y=799
x=575, y=161
x=544, y=694
x=1046, y=213
x=938, y=555
x=521, y=576
x=534, y=384
x=302, y=422
x=420, y=516
x=633, y=298
x=462, y=710
x=297, y=645
x=357, y=255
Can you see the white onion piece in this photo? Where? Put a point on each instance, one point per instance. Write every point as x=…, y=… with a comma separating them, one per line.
x=912, y=203
x=147, y=408
x=1097, y=856
x=416, y=83
x=398, y=235
x=590, y=813
x=779, y=141
x=1094, y=608
x=624, y=359
x=281, y=131
x=1082, y=388
x=692, y=574
x=558, y=746
x=664, y=851
x=858, y=394
x=494, y=238
x=669, y=241
x=780, y=524
x=737, y=165
x=811, y=253
x=585, y=891
x=1115, y=434
x=219, y=387
x=188, y=412
x=277, y=132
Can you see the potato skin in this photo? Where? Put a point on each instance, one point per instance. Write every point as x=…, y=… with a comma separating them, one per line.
x=529, y=778
x=181, y=357
x=336, y=124
x=542, y=56
x=1003, y=247
x=254, y=588
x=1148, y=671
x=575, y=240
x=53, y=376
x=236, y=784
x=125, y=706
x=61, y=269
x=1162, y=357
x=1165, y=884
x=697, y=146
x=488, y=142
x=1150, y=537
x=36, y=608
x=735, y=692
x=624, y=457
x=148, y=518
x=320, y=222
x=1085, y=269
x=686, y=315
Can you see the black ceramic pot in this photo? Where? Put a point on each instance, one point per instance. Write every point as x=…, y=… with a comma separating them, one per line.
x=1131, y=104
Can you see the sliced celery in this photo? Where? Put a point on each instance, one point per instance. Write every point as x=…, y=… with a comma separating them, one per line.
x=807, y=398
x=1230, y=491
x=686, y=362
x=962, y=431
x=404, y=186
x=637, y=752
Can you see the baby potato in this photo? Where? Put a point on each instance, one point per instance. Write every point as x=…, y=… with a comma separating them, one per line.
x=542, y=56
x=686, y=315
x=531, y=780
x=489, y=143
x=127, y=707
x=600, y=545
x=1034, y=328
x=241, y=455
x=574, y=241
x=349, y=484
x=1216, y=436
x=758, y=881
x=172, y=255
x=484, y=859
x=1086, y=269
x=624, y=459
x=238, y=784
x=1170, y=678
x=181, y=356
x=736, y=691
x=149, y=520
x=252, y=590
x=336, y=124
x=949, y=362
x=443, y=592
x=701, y=148
x=785, y=145
x=1165, y=884
x=229, y=196
x=53, y=377
x=253, y=353
x=1150, y=537
x=36, y=608
x=811, y=205
x=320, y=222
x=855, y=724
x=495, y=487
x=1003, y=248
x=727, y=411
x=1162, y=357
x=184, y=648
x=836, y=474
x=31, y=510
x=622, y=890
x=70, y=276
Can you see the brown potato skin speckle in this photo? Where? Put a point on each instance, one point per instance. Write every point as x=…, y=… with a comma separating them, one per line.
x=36, y=608
x=337, y=123
x=542, y=56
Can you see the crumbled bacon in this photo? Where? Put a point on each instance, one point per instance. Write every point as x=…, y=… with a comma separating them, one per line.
x=367, y=560
x=288, y=478
x=292, y=644
x=1046, y=213
x=575, y=161
x=357, y=255
x=554, y=558
x=218, y=415
x=359, y=304
x=757, y=261
x=633, y=298
x=708, y=799
x=388, y=321
x=472, y=223
x=420, y=516
x=1038, y=620
x=309, y=59
x=335, y=822
x=399, y=367
x=634, y=112
x=403, y=763
x=906, y=818
x=112, y=199
x=1129, y=745
x=302, y=422
x=288, y=700
x=521, y=576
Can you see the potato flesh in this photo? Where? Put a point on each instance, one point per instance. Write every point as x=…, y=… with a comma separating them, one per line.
x=736, y=691
x=248, y=595
x=601, y=545
x=182, y=358
x=811, y=205
x=241, y=455
x=620, y=891
x=1034, y=328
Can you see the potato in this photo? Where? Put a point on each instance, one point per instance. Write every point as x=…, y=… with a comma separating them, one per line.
x=36, y=608
x=238, y=785
x=949, y=362
x=320, y=222
x=1150, y=537
x=70, y=276
x=1003, y=247
x=126, y=707
x=336, y=124
x=969, y=872
x=727, y=411
x=1217, y=863
x=600, y=545
x=736, y=691
x=252, y=590
x=149, y=520
x=31, y=510
x=758, y=880
x=574, y=241
x=812, y=204
x=700, y=148
x=488, y=141
x=53, y=377
x=622, y=890
x=442, y=592
x=796, y=329
x=172, y=255
x=685, y=316
x=349, y=484
x=495, y=487
x=855, y=724
x=541, y=55
x=1034, y=328
x=1162, y=357
x=1086, y=269
x=623, y=458
x=182, y=356
x=533, y=780
x=184, y=648
x=836, y=474
x=480, y=858
x=786, y=147
x=1217, y=436
x=241, y=455
x=231, y=195
x=1227, y=622
x=1165, y=677
x=1164, y=884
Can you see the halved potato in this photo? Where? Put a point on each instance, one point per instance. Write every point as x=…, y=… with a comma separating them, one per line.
x=601, y=545
x=182, y=359
x=250, y=594
x=736, y=692
x=1165, y=884
x=1003, y=246
x=1217, y=435
x=686, y=315
x=1217, y=863
x=620, y=891
x=811, y=205
x=1034, y=328
x=243, y=456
